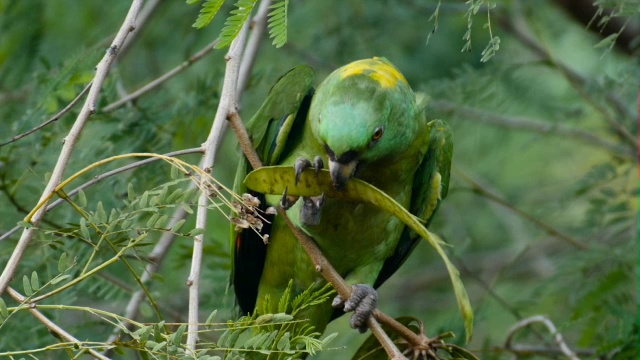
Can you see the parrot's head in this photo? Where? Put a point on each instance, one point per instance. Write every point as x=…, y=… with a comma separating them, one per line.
x=363, y=114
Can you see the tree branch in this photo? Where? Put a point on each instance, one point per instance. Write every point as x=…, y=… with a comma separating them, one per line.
x=477, y=188
x=258, y=26
x=53, y=327
x=159, y=81
x=87, y=110
x=538, y=126
x=518, y=26
x=227, y=104
x=54, y=118
x=552, y=329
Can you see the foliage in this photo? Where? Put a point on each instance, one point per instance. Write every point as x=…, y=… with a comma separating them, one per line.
x=521, y=186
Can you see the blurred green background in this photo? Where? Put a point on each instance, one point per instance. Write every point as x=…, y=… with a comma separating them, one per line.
x=541, y=213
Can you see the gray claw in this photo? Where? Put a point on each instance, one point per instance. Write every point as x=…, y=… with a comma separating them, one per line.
x=300, y=165
x=318, y=164
x=287, y=201
x=362, y=302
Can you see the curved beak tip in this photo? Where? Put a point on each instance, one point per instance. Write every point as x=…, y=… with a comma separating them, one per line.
x=341, y=173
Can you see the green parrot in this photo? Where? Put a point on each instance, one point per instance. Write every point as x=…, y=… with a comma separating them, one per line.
x=365, y=122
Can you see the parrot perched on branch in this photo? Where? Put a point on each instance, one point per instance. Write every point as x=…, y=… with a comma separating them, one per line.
x=363, y=121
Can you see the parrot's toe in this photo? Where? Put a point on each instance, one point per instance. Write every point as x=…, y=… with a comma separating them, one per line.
x=311, y=211
x=362, y=302
x=287, y=201
x=302, y=164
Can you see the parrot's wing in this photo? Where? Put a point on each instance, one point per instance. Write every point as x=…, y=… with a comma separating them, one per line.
x=273, y=129
x=430, y=187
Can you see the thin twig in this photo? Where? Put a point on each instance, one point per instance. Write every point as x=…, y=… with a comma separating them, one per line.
x=517, y=24
x=101, y=177
x=258, y=26
x=159, y=81
x=147, y=10
x=89, y=108
x=54, y=118
x=53, y=327
x=481, y=190
x=552, y=329
x=538, y=126
x=227, y=104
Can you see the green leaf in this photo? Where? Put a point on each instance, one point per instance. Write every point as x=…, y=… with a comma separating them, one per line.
x=27, y=286
x=101, y=215
x=178, y=225
x=83, y=229
x=277, y=23
x=3, y=309
x=235, y=22
x=176, y=338
x=152, y=220
x=207, y=12
x=62, y=262
x=113, y=215
x=82, y=199
x=131, y=194
x=210, y=318
x=58, y=279
x=143, y=200
x=196, y=232
x=187, y=208
x=174, y=195
x=274, y=180
x=35, y=282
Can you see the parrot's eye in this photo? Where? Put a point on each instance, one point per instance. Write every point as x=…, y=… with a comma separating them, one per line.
x=377, y=134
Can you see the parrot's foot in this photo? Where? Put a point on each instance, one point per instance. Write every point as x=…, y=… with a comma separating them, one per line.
x=304, y=163
x=362, y=302
x=311, y=211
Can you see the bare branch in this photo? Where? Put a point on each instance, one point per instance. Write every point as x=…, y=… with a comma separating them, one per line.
x=517, y=24
x=87, y=110
x=552, y=329
x=538, y=126
x=481, y=190
x=54, y=118
x=53, y=327
x=159, y=81
x=225, y=106
x=258, y=26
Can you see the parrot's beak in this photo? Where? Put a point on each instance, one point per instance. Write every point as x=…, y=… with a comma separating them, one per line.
x=341, y=173
x=341, y=167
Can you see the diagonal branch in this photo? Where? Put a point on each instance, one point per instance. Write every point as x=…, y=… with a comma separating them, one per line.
x=54, y=118
x=477, y=188
x=162, y=79
x=53, y=327
x=517, y=24
x=70, y=140
x=538, y=126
